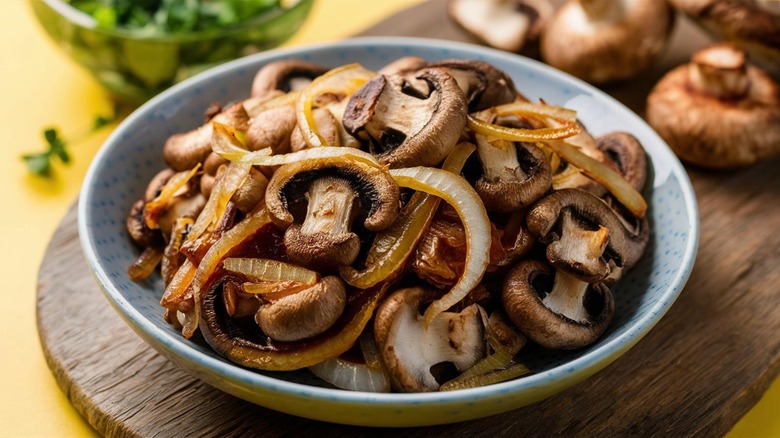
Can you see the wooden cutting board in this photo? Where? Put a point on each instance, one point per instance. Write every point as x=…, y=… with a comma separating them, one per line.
x=696, y=374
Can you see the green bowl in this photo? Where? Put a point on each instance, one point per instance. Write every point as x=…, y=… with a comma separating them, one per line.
x=136, y=67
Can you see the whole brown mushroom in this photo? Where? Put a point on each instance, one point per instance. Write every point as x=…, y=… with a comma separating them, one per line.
x=606, y=40
x=718, y=111
x=503, y=24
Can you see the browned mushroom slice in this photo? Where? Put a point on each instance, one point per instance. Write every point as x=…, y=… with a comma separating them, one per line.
x=285, y=75
x=503, y=24
x=514, y=175
x=628, y=156
x=753, y=25
x=142, y=235
x=702, y=110
x=606, y=40
x=304, y=314
x=483, y=85
x=408, y=120
x=185, y=150
x=553, y=309
x=330, y=187
x=583, y=234
x=412, y=352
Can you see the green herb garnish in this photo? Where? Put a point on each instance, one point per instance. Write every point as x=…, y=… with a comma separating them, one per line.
x=40, y=163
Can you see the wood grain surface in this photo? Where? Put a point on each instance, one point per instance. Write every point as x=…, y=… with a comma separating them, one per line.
x=695, y=374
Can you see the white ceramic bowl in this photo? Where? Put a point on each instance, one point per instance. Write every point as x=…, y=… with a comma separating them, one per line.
x=132, y=155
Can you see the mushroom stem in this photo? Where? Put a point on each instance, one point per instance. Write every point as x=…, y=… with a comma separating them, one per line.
x=499, y=159
x=579, y=251
x=720, y=71
x=567, y=296
x=330, y=207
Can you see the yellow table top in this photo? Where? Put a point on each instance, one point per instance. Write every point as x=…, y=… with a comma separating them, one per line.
x=41, y=88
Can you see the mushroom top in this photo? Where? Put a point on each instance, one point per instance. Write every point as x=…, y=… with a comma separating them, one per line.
x=606, y=40
x=374, y=187
x=285, y=75
x=703, y=109
x=408, y=119
x=483, y=85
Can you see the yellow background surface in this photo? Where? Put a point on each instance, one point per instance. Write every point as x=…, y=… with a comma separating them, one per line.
x=41, y=87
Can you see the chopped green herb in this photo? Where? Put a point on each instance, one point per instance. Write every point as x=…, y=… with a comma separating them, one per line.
x=40, y=163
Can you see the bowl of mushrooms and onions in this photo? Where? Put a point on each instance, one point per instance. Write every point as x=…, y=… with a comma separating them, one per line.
x=413, y=226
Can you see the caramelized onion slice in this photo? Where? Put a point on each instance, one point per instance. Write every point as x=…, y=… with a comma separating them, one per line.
x=144, y=265
x=370, y=376
x=457, y=192
x=156, y=206
x=270, y=270
x=344, y=80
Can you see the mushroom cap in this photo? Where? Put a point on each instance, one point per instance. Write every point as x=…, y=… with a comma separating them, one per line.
x=285, y=75
x=505, y=25
x=272, y=129
x=304, y=314
x=409, y=350
x=628, y=156
x=714, y=132
x=504, y=195
x=545, y=220
x=620, y=40
x=410, y=119
x=483, y=84
x=753, y=25
x=141, y=234
x=522, y=293
x=185, y=150
x=321, y=250
x=375, y=188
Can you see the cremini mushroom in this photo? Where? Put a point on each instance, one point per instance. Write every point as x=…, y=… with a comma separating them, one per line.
x=141, y=234
x=411, y=351
x=570, y=177
x=514, y=174
x=718, y=111
x=553, y=309
x=211, y=166
x=503, y=24
x=483, y=84
x=285, y=75
x=185, y=150
x=272, y=129
x=410, y=119
x=583, y=234
x=303, y=314
x=753, y=25
x=403, y=65
x=628, y=156
x=606, y=40
x=328, y=127
x=251, y=191
x=330, y=186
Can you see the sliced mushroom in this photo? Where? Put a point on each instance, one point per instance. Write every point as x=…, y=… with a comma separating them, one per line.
x=503, y=24
x=628, y=156
x=304, y=314
x=185, y=150
x=718, y=111
x=408, y=120
x=142, y=235
x=606, y=40
x=583, y=234
x=285, y=75
x=483, y=84
x=753, y=25
x=330, y=187
x=567, y=315
x=514, y=175
x=410, y=350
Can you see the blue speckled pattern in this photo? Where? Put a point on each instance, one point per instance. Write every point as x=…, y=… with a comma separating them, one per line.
x=132, y=155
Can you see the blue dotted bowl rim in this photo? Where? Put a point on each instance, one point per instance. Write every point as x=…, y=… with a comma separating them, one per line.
x=565, y=374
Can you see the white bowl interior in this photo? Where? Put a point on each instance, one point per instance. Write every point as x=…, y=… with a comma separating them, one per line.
x=132, y=155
